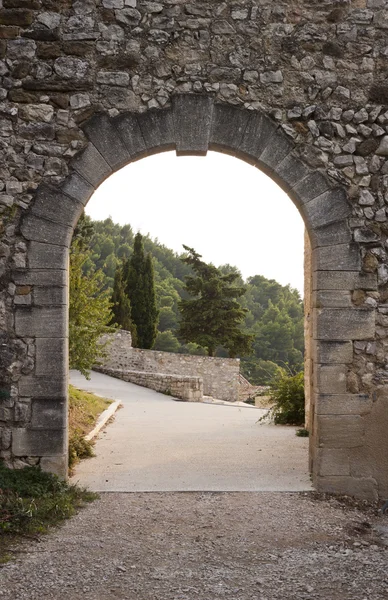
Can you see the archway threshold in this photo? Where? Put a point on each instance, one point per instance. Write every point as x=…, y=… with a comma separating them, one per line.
x=158, y=445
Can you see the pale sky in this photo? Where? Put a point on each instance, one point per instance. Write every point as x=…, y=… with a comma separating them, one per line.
x=227, y=210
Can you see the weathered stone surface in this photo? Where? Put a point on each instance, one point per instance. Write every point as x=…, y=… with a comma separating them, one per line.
x=342, y=257
x=48, y=414
x=92, y=166
x=257, y=135
x=343, y=404
x=333, y=352
x=343, y=280
x=40, y=230
x=157, y=128
x=54, y=206
x=130, y=133
x=333, y=299
x=103, y=134
x=333, y=462
x=341, y=431
x=330, y=379
x=43, y=387
x=51, y=356
x=50, y=296
x=344, y=324
x=41, y=322
x=228, y=127
x=77, y=187
x=327, y=208
x=40, y=442
x=192, y=124
x=46, y=256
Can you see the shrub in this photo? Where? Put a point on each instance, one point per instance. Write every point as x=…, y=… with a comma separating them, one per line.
x=287, y=394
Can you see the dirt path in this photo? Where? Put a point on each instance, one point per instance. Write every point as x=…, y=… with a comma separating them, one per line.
x=206, y=546
x=156, y=444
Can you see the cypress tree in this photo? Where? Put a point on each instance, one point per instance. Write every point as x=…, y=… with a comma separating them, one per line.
x=152, y=313
x=140, y=287
x=121, y=305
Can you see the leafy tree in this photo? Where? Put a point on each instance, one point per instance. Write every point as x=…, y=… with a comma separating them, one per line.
x=138, y=274
x=89, y=311
x=121, y=305
x=166, y=342
x=213, y=316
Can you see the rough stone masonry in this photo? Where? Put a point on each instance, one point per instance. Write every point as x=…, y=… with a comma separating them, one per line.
x=297, y=89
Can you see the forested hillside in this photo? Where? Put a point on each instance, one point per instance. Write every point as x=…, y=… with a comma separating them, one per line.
x=275, y=312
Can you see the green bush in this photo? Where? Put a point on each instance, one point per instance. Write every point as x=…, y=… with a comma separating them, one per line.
x=79, y=448
x=31, y=501
x=287, y=395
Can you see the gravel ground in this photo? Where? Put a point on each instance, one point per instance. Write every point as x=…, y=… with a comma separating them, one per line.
x=207, y=546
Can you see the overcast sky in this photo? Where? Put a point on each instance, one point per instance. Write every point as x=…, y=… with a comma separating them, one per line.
x=227, y=210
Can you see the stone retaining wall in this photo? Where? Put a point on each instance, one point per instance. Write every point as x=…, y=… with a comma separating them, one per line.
x=220, y=375
x=184, y=388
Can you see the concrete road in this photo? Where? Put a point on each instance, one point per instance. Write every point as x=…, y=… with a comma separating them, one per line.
x=157, y=444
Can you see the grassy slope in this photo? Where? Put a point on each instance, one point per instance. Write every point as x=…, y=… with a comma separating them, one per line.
x=84, y=409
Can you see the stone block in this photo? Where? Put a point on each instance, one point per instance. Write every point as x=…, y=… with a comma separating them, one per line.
x=51, y=386
x=278, y=147
x=291, y=171
x=343, y=404
x=257, y=136
x=192, y=116
x=332, y=234
x=50, y=296
x=101, y=131
x=47, y=256
x=77, y=187
x=340, y=431
x=344, y=324
x=157, y=128
x=327, y=208
x=342, y=257
x=57, y=207
x=41, y=277
x=40, y=442
x=333, y=461
x=51, y=357
x=333, y=299
x=330, y=379
x=58, y=465
x=363, y=488
x=40, y=230
x=130, y=133
x=49, y=414
x=41, y=322
x=333, y=352
x=312, y=186
x=344, y=280
x=228, y=127
x=92, y=166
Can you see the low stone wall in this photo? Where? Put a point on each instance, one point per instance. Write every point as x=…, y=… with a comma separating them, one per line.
x=220, y=375
x=184, y=388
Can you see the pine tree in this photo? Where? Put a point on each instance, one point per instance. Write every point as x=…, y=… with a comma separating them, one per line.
x=121, y=306
x=213, y=316
x=138, y=275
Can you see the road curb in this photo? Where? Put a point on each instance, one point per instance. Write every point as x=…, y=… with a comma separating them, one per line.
x=103, y=419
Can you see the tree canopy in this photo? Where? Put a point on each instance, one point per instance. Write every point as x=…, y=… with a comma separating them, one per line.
x=213, y=316
x=274, y=312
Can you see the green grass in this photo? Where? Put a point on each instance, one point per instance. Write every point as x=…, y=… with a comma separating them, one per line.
x=31, y=502
x=84, y=408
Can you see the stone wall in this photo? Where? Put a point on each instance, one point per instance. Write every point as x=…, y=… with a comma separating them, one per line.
x=297, y=89
x=189, y=389
x=220, y=376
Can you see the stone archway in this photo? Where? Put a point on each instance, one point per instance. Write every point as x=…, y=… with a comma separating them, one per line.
x=299, y=91
x=192, y=125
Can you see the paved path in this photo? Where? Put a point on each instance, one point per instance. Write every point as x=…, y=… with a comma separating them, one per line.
x=157, y=444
